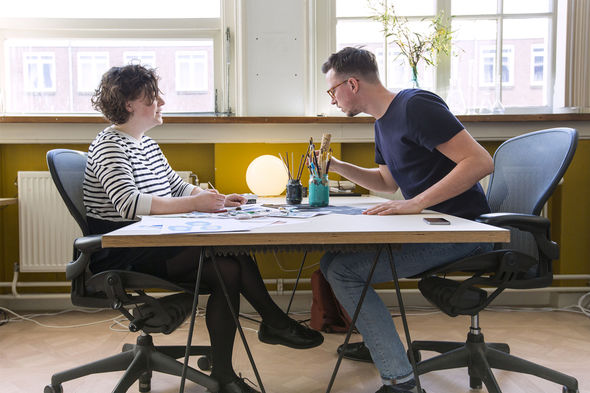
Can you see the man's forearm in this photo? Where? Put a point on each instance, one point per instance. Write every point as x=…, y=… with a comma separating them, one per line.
x=369, y=178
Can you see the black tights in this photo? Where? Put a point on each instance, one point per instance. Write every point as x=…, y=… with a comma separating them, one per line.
x=241, y=276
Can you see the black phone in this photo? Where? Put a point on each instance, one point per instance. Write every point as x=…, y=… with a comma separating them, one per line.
x=436, y=221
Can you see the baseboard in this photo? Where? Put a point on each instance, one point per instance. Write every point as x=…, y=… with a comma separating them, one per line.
x=302, y=300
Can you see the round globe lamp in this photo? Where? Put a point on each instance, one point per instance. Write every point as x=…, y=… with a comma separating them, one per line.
x=267, y=176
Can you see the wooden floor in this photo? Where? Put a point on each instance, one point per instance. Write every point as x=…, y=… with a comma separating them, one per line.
x=30, y=354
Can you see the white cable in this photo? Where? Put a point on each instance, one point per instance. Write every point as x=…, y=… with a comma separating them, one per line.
x=24, y=318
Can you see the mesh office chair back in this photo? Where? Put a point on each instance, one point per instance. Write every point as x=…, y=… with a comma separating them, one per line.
x=527, y=170
x=67, y=171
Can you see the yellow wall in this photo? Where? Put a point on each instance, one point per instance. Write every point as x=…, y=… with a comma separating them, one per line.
x=225, y=165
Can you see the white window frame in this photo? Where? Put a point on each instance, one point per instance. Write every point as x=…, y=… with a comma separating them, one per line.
x=192, y=85
x=225, y=63
x=536, y=47
x=39, y=62
x=325, y=32
x=81, y=84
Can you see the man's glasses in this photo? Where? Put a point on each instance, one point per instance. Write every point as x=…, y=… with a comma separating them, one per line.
x=331, y=90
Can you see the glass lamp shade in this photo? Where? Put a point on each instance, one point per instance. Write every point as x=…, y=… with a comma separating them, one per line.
x=267, y=176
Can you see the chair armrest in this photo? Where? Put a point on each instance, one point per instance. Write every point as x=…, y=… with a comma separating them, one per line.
x=525, y=222
x=87, y=245
x=536, y=225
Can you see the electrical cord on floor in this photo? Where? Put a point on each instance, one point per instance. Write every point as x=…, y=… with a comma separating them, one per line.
x=29, y=318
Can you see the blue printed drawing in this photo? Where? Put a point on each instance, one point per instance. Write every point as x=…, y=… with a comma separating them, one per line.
x=195, y=226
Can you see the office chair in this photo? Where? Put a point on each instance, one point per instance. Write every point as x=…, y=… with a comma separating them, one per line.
x=123, y=291
x=527, y=171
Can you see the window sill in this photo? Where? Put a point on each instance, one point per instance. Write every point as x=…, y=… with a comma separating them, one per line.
x=196, y=119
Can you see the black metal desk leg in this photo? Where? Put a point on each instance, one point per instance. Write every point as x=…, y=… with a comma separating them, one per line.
x=193, y=316
x=403, y=314
x=236, y=319
x=354, y=318
x=296, y=283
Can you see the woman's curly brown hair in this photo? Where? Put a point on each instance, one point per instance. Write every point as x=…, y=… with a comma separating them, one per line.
x=119, y=85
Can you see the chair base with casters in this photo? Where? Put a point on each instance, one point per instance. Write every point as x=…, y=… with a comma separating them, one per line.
x=138, y=361
x=480, y=358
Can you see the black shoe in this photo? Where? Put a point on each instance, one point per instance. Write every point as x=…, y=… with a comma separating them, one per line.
x=356, y=351
x=237, y=386
x=294, y=335
x=406, y=387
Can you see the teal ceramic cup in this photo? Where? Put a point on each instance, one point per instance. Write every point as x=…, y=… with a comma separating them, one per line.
x=318, y=191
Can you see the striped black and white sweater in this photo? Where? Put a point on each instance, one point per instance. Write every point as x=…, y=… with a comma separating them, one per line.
x=123, y=173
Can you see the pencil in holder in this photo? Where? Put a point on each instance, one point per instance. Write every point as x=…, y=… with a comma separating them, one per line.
x=318, y=191
x=294, y=192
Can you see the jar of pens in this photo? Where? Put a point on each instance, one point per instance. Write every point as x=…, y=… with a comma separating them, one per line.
x=294, y=186
x=319, y=164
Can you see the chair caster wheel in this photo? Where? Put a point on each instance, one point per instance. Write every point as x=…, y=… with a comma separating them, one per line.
x=475, y=383
x=204, y=363
x=416, y=353
x=53, y=389
x=565, y=389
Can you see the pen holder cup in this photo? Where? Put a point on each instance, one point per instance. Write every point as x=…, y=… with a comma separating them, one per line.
x=294, y=192
x=319, y=191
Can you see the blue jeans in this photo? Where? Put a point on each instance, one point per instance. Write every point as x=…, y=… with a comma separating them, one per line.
x=347, y=274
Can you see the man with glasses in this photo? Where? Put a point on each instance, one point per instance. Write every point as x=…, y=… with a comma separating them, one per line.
x=422, y=149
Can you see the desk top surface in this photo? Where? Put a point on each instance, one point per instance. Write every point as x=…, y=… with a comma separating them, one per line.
x=325, y=229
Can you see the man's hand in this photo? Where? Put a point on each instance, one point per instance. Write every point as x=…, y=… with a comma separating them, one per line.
x=233, y=200
x=395, y=207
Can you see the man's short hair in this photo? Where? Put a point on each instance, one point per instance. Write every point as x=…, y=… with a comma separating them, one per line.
x=350, y=61
x=119, y=85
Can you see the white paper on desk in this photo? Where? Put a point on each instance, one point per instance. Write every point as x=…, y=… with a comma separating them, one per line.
x=202, y=225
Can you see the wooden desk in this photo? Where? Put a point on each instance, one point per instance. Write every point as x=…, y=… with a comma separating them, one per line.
x=323, y=230
x=326, y=230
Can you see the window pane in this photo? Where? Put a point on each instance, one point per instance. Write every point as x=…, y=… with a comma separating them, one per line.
x=367, y=34
x=474, y=7
x=527, y=6
x=414, y=7
x=473, y=65
x=523, y=35
x=353, y=8
x=113, y=9
x=33, y=65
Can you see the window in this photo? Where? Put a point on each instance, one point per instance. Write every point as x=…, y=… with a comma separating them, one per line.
x=91, y=66
x=487, y=74
x=191, y=71
x=147, y=59
x=72, y=47
x=526, y=28
x=537, y=65
x=39, y=72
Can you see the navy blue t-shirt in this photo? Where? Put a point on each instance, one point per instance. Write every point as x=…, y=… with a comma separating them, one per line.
x=406, y=137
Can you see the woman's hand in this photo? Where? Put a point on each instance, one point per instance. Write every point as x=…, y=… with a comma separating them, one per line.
x=233, y=200
x=208, y=201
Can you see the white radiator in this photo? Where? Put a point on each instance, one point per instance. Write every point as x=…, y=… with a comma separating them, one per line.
x=46, y=228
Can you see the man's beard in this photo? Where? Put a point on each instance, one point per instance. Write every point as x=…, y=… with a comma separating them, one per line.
x=352, y=113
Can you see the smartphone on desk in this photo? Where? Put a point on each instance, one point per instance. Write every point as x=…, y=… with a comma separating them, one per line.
x=436, y=221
